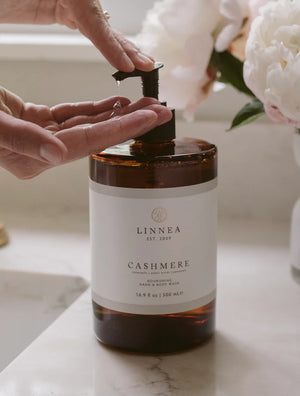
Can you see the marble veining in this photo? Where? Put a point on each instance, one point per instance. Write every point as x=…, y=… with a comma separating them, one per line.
x=165, y=380
x=153, y=379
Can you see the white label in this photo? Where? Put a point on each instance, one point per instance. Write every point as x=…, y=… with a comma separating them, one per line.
x=153, y=250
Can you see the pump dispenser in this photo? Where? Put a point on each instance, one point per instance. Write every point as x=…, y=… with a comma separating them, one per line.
x=150, y=82
x=153, y=216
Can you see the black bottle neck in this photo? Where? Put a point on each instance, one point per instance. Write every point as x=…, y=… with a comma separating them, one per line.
x=163, y=133
x=142, y=148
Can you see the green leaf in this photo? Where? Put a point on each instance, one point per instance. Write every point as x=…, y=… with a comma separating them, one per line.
x=249, y=113
x=231, y=70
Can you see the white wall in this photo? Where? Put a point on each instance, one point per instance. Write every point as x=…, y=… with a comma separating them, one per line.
x=135, y=11
x=257, y=174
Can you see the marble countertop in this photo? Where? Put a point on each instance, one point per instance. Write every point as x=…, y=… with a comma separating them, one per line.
x=256, y=349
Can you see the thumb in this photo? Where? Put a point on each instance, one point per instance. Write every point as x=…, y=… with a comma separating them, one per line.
x=29, y=139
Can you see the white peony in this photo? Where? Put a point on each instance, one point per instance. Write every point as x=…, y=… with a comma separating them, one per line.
x=250, y=10
x=179, y=34
x=182, y=35
x=272, y=67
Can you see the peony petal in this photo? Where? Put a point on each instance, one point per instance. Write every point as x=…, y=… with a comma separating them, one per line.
x=186, y=73
x=225, y=38
x=204, y=89
x=276, y=116
x=199, y=49
x=188, y=17
x=231, y=10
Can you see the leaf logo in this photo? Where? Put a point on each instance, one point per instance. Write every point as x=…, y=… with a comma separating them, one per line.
x=159, y=215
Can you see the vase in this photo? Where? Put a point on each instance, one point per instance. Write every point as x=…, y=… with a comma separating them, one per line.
x=295, y=224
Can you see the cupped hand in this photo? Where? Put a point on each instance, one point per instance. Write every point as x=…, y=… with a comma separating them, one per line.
x=34, y=138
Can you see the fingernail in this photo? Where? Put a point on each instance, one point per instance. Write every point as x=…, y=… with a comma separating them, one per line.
x=149, y=117
x=145, y=59
x=51, y=153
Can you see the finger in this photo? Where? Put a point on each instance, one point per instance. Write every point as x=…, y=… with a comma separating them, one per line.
x=91, y=22
x=90, y=139
x=118, y=111
x=143, y=102
x=140, y=60
x=121, y=53
x=21, y=166
x=29, y=139
x=10, y=102
x=64, y=111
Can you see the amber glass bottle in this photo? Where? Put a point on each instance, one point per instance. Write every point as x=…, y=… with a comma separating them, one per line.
x=153, y=233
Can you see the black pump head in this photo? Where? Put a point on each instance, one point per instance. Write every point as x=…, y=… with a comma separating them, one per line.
x=150, y=80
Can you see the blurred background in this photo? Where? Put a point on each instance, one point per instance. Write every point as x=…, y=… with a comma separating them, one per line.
x=258, y=176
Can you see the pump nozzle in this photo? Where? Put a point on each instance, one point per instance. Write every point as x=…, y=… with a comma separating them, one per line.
x=150, y=79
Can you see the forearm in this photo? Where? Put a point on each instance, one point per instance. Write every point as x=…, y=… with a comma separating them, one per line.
x=28, y=11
